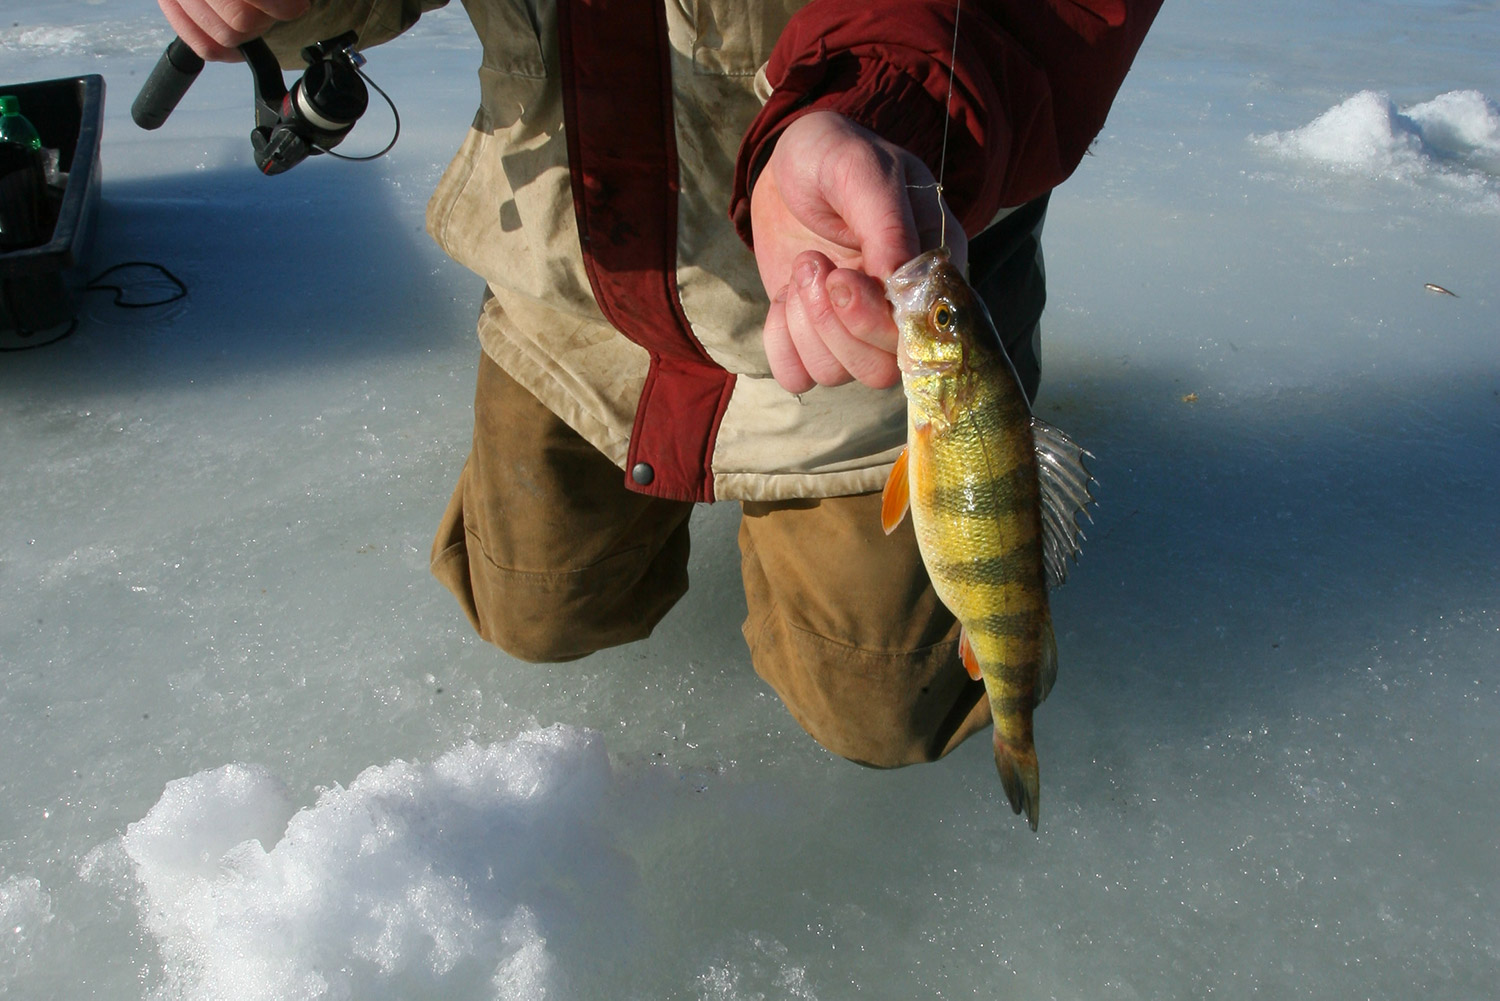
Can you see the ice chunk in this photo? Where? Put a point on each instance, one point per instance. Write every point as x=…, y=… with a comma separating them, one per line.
x=202, y=818
x=25, y=909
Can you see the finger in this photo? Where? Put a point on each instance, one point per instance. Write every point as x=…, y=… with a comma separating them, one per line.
x=283, y=10
x=251, y=16
x=820, y=362
x=863, y=308
x=201, y=28
x=859, y=358
x=215, y=28
x=781, y=354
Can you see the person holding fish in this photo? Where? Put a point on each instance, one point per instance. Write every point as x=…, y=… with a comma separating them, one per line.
x=686, y=216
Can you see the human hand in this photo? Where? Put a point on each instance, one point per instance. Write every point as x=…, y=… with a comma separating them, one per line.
x=213, y=28
x=834, y=212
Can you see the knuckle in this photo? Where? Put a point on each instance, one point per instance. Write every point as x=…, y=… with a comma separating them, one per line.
x=775, y=328
x=871, y=366
x=865, y=317
x=243, y=21
x=223, y=36
x=789, y=373
x=819, y=310
x=874, y=326
x=828, y=371
x=880, y=376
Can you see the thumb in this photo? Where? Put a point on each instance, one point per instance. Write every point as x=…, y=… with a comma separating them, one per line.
x=906, y=218
x=868, y=185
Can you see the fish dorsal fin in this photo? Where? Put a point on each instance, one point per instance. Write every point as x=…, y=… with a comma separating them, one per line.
x=1065, y=495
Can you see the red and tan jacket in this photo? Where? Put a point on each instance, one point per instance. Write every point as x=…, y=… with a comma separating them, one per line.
x=602, y=193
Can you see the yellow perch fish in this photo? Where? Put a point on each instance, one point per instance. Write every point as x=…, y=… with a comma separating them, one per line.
x=993, y=494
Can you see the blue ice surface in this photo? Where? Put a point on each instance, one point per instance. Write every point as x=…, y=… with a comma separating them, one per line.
x=249, y=749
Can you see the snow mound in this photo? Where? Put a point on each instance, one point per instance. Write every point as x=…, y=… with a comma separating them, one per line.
x=1453, y=139
x=452, y=877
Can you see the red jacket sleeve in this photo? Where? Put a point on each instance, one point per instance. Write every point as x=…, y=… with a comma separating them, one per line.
x=1032, y=83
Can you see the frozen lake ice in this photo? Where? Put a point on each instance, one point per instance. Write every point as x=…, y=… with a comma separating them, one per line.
x=249, y=749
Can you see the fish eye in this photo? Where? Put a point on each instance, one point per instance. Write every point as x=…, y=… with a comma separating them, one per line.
x=942, y=316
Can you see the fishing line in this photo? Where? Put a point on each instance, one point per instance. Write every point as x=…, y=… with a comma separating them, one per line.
x=947, y=120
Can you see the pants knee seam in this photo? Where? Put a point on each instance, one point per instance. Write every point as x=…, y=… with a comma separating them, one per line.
x=881, y=652
x=547, y=578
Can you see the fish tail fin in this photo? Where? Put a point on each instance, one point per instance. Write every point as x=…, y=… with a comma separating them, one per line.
x=1019, y=776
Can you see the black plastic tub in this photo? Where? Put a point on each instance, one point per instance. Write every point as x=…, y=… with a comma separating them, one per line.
x=40, y=287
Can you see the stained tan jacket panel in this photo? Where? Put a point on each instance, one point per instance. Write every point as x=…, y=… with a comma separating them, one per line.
x=504, y=208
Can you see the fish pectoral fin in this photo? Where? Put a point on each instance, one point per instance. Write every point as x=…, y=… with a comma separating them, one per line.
x=966, y=652
x=897, y=496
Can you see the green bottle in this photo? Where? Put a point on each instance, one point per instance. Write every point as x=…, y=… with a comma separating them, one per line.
x=16, y=127
x=23, y=180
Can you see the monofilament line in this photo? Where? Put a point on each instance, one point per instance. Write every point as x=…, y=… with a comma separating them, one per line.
x=947, y=118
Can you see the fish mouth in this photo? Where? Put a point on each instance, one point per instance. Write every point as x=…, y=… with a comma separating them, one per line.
x=917, y=367
x=909, y=286
x=912, y=367
x=914, y=272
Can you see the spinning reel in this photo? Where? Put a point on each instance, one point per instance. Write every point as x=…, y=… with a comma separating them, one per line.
x=290, y=125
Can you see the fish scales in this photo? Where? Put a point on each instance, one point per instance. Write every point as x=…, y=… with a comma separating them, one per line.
x=970, y=479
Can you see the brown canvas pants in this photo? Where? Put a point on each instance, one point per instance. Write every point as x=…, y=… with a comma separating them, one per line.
x=552, y=559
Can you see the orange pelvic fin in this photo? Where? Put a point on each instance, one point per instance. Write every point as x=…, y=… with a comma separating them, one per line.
x=971, y=662
x=897, y=496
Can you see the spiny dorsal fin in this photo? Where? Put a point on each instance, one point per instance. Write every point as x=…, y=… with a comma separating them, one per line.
x=1065, y=495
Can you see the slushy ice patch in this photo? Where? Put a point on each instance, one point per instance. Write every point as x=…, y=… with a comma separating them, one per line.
x=1453, y=138
x=459, y=878
x=25, y=913
x=134, y=36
